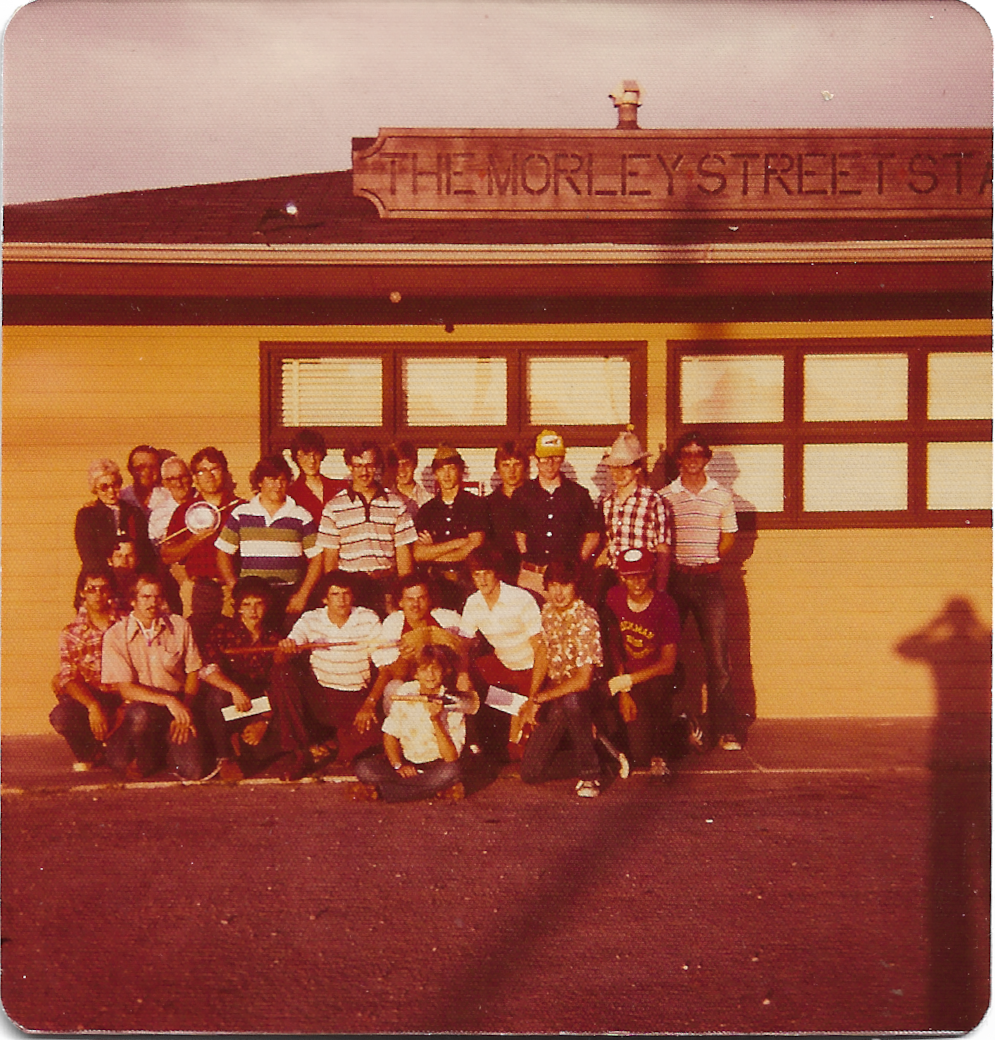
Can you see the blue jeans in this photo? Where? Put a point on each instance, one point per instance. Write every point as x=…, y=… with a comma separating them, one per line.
x=703, y=596
x=71, y=719
x=376, y=771
x=143, y=736
x=543, y=760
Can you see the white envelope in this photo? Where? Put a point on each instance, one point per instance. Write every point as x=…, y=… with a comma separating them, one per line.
x=504, y=700
x=259, y=705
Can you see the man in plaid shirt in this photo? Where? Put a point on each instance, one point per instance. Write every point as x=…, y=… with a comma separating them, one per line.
x=87, y=707
x=636, y=517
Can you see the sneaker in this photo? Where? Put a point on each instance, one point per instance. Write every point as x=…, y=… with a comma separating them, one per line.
x=623, y=762
x=659, y=770
x=82, y=767
x=364, y=793
x=456, y=793
x=588, y=788
x=728, y=742
x=203, y=780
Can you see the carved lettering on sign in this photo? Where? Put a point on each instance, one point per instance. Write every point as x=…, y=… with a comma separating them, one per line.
x=651, y=174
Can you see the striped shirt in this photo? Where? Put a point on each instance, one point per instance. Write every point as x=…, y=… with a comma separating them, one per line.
x=346, y=664
x=642, y=521
x=699, y=521
x=366, y=534
x=274, y=547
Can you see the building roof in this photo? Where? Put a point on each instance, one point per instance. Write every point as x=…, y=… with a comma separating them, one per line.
x=324, y=211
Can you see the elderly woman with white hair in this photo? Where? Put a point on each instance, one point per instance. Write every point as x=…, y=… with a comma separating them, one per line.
x=101, y=523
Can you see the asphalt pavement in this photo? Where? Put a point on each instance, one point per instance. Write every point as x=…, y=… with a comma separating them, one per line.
x=831, y=877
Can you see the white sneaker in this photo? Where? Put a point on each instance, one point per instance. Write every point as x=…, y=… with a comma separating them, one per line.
x=82, y=767
x=588, y=788
x=623, y=762
x=659, y=768
x=728, y=742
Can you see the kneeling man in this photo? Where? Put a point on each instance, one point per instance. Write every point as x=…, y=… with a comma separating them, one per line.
x=151, y=658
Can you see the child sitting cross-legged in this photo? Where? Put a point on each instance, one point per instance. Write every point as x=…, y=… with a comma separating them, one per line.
x=423, y=735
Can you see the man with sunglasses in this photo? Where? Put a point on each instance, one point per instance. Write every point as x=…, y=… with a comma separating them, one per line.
x=705, y=529
x=87, y=707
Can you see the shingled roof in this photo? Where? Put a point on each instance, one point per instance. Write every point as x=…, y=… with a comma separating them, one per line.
x=323, y=210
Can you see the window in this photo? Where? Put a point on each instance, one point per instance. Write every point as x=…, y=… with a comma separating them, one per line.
x=835, y=433
x=473, y=396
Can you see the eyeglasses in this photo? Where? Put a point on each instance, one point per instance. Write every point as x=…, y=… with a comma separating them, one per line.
x=108, y=487
x=208, y=469
x=181, y=478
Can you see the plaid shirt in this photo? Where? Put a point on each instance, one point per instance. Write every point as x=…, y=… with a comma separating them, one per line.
x=80, y=646
x=642, y=521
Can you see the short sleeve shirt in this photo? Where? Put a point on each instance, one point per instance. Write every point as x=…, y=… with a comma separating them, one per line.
x=161, y=657
x=554, y=523
x=508, y=626
x=80, y=652
x=466, y=514
x=642, y=521
x=572, y=639
x=699, y=520
x=394, y=627
x=276, y=547
x=366, y=534
x=345, y=665
x=645, y=632
x=411, y=724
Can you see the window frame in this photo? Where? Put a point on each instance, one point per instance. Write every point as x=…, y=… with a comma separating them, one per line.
x=275, y=437
x=794, y=432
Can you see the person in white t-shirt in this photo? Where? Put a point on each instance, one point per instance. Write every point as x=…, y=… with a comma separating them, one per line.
x=423, y=735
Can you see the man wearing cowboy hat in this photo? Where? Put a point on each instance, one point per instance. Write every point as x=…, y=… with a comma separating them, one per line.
x=450, y=527
x=635, y=516
x=556, y=518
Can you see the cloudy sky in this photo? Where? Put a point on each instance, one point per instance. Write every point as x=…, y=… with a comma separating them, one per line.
x=125, y=94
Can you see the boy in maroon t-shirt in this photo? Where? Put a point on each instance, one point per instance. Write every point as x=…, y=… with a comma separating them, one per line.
x=644, y=630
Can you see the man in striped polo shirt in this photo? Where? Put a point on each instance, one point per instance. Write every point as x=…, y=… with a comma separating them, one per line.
x=705, y=529
x=333, y=682
x=367, y=530
x=273, y=536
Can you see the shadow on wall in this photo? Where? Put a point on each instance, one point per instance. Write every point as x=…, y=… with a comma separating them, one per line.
x=957, y=647
x=724, y=470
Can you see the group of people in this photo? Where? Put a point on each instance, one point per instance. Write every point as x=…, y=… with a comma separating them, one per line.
x=370, y=626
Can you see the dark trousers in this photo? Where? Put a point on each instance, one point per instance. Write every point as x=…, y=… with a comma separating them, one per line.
x=648, y=733
x=143, y=736
x=376, y=771
x=490, y=727
x=544, y=759
x=71, y=720
x=703, y=596
x=323, y=711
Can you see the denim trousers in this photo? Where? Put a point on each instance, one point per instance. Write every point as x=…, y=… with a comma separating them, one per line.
x=703, y=596
x=376, y=771
x=543, y=758
x=71, y=720
x=143, y=736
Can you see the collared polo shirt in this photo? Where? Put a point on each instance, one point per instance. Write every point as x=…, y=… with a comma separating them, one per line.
x=507, y=626
x=642, y=521
x=366, y=534
x=161, y=658
x=699, y=520
x=554, y=523
x=345, y=665
x=273, y=547
x=396, y=625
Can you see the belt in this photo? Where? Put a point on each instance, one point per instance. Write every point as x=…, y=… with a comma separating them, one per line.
x=539, y=568
x=698, y=568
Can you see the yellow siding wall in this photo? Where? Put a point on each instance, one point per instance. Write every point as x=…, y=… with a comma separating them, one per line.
x=826, y=608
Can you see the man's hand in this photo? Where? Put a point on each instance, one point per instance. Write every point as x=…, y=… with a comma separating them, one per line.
x=181, y=729
x=407, y=771
x=365, y=717
x=241, y=699
x=425, y=538
x=287, y=645
x=527, y=713
x=626, y=707
x=620, y=684
x=98, y=722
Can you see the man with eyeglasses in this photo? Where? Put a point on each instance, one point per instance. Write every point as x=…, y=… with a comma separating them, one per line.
x=87, y=707
x=195, y=549
x=705, y=529
x=177, y=481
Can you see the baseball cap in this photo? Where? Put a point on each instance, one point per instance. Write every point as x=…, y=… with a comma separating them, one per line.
x=548, y=444
x=635, y=561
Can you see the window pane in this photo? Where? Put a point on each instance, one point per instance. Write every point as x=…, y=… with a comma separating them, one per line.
x=848, y=477
x=959, y=476
x=841, y=387
x=732, y=389
x=960, y=386
x=456, y=391
x=578, y=391
x=754, y=473
x=333, y=391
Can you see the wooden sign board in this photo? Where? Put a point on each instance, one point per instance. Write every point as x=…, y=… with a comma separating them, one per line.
x=651, y=174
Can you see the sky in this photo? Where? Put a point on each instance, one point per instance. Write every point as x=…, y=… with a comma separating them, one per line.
x=127, y=94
